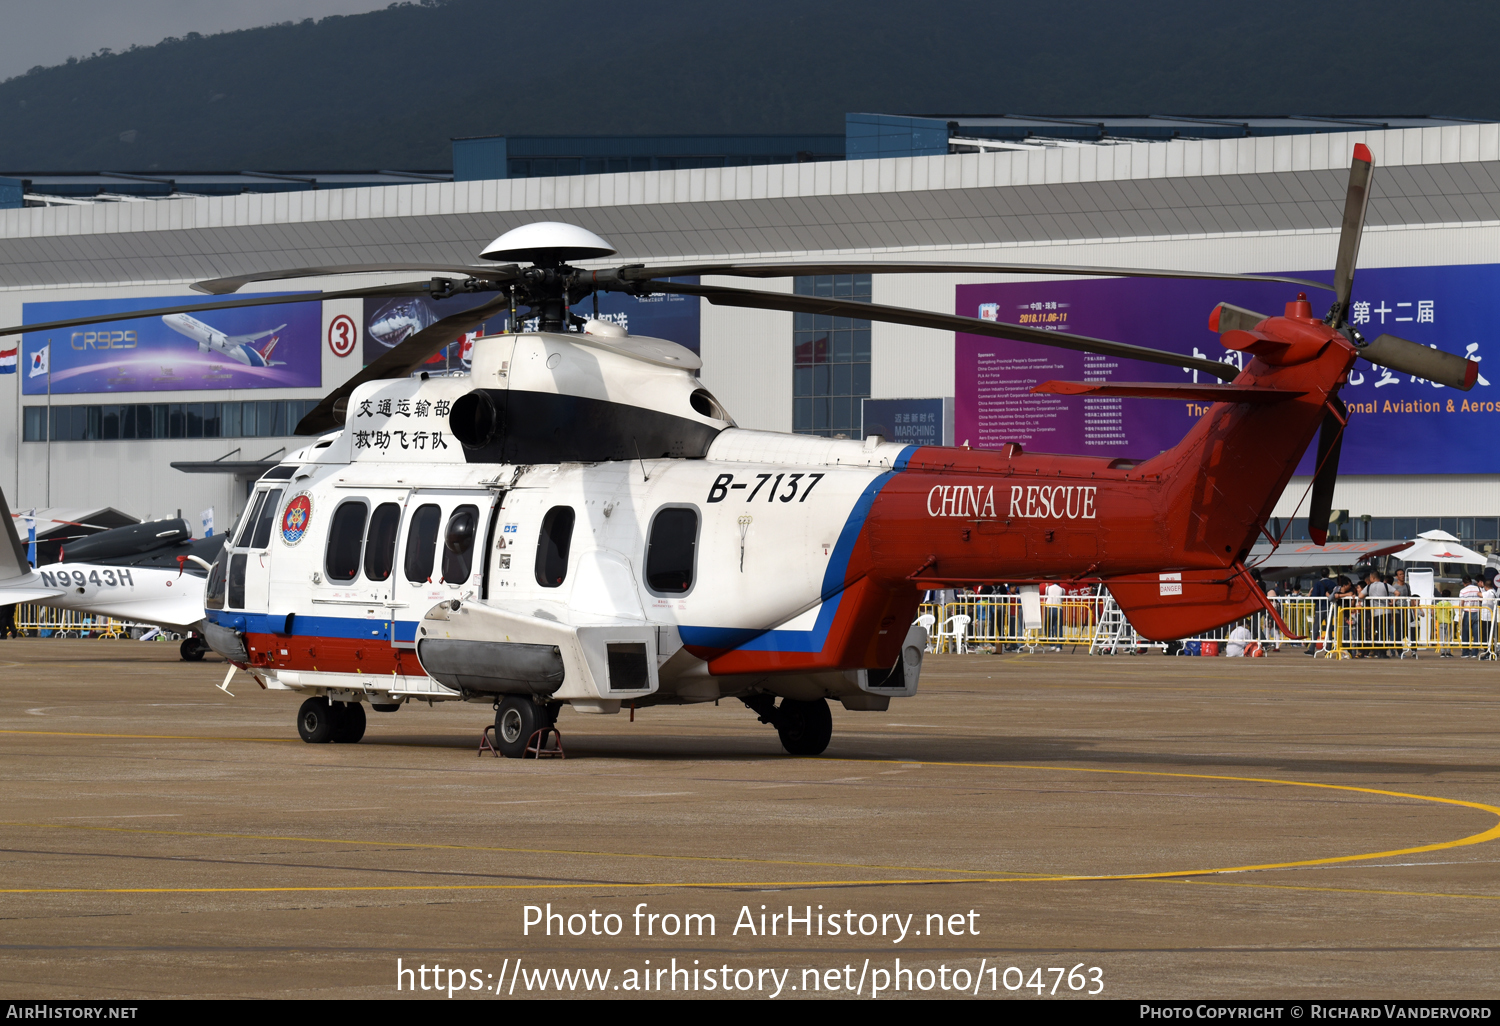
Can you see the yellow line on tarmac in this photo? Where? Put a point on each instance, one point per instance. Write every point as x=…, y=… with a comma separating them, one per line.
x=1341, y=890
x=1484, y=836
x=1480, y=838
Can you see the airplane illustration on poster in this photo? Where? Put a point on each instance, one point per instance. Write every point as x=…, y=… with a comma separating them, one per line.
x=241, y=348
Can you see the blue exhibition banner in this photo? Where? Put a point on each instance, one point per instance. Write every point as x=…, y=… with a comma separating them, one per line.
x=1398, y=424
x=390, y=321
x=910, y=421
x=274, y=346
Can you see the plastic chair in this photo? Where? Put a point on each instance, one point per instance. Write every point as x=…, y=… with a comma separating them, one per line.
x=925, y=621
x=957, y=629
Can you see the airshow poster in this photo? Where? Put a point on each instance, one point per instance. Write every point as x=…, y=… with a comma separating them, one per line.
x=275, y=346
x=1398, y=425
x=390, y=321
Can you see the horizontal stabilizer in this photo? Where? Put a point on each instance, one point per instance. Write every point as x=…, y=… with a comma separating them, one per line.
x=1164, y=607
x=1185, y=392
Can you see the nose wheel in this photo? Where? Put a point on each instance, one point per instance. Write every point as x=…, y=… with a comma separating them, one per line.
x=320, y=721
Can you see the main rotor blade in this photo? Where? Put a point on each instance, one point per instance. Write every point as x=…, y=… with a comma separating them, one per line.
x=721, y=296
x=1422, y=362
x=224, y=286
x=1228, y=317
x=398, y=362
x=414, y=288
x=1330, y=443
x=1356, y=201
x=753, y=270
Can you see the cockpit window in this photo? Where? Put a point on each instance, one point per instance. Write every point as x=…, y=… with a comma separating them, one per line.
x=246, y=525
x=265, y=519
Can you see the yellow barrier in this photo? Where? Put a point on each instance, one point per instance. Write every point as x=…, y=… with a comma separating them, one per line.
x=1409, y=628
x=35, y=619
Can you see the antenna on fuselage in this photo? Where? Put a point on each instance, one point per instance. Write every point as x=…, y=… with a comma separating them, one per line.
x=644, y=476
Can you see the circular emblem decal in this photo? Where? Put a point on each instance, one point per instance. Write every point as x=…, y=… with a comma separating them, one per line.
x=295, y=518
x=342, y=335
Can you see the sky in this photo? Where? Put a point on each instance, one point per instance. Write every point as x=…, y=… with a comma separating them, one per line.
x=49, y=33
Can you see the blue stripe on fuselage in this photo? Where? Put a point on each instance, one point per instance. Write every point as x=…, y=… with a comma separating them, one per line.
x=348, y=627
x=750, y=639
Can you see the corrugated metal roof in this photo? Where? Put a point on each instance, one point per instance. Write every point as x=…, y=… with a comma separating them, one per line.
x=1448, y=175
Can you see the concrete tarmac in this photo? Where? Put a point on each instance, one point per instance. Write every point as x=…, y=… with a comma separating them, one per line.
x=1189, y=828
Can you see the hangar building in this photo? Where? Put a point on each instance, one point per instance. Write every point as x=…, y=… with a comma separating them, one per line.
x=1216, y=194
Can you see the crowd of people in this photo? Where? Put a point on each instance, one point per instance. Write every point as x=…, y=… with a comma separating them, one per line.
x=1373, y=611
x=1374, y=608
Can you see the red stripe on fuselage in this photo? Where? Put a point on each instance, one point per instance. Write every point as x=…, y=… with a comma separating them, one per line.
x=331, y=655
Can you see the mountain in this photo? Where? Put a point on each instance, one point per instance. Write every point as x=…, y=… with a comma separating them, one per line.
x=390, y=88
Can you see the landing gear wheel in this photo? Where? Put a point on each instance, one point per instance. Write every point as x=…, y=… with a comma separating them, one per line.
x=316, y=720
x=805, y=727
x=348, y=722
x=515, y=721
x=192, y=650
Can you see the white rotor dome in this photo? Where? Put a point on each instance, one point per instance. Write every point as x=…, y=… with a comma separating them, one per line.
x=547, y=241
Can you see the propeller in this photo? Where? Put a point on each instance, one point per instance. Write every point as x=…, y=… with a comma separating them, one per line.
x=1356, y=202
x=722, y=296
x=605, y=277
x=224, y=286
x=415, y=288
x=1330, y=442
x=1399, y=354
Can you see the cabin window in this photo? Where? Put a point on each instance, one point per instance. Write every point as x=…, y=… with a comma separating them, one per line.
x=380, y=543
x=247, y=525
x=266, y=519
x=553, y=545
x=421, y=543
x=458, y=544
x=671, y=552
x=345, y=538
x=237, y=580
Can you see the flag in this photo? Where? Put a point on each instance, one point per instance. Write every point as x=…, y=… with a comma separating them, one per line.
x=206, y=518
x=8, y=360
x=41, y=362
x=29, y=521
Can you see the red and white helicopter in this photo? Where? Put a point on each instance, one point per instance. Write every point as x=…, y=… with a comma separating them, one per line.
x=578, y=521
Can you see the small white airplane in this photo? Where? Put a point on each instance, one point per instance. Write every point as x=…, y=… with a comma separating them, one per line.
x=149, y=573
x=237, y=347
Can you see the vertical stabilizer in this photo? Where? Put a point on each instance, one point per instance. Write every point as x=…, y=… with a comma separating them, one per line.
x=13, y=562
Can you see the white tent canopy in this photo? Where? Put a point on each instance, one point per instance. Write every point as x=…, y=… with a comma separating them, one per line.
x=1439, y=547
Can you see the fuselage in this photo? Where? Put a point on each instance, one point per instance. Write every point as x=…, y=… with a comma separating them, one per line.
x=732, y=559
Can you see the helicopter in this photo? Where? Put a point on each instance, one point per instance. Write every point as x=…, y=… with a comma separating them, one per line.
x=152, y=573
x=577, y=520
